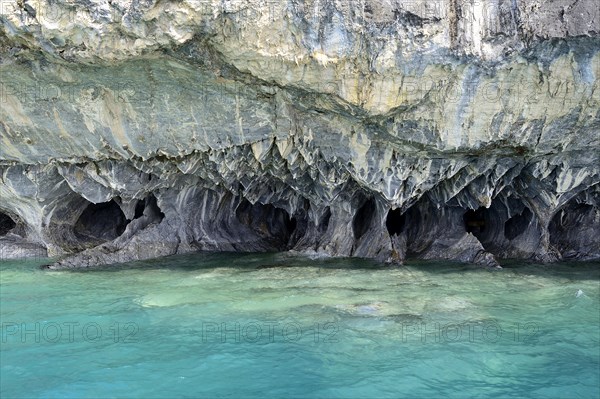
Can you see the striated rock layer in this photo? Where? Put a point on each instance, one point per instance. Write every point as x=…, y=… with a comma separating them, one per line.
x=456, y=129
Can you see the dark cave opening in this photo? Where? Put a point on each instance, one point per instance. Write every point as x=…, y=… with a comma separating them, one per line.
x=516, y=225
x=150, y=208
x=6, y=224
x=103, y=221
x=293, y=223
x=574, y=230
x=395, y=222
x=363, y=218
x=267, y=221
x=569, y=218
x=324, y=222
x=475, y=221
x=139, y=209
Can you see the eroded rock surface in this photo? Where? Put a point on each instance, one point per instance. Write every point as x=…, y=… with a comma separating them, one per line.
x=455, y=129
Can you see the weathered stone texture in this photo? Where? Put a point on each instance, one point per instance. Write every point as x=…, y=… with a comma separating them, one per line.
x=454, y=129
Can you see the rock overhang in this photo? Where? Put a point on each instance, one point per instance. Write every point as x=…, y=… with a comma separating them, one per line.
x=317, y=112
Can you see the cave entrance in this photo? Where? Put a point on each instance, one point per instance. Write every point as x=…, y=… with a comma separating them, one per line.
x=149, y=207
x=139, y=209
x=567, y=219
x=6, y=224
x=104, y=221
x=516, y=225
x=363, y=218
x=574, y=230
x=395, y=222
x=324, y=220
x=267, y=221
x=475, y=221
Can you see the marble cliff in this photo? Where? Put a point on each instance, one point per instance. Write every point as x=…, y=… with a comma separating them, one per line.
x=440, y=129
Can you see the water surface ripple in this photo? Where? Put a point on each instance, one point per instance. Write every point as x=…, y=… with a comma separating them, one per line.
x=277, y=325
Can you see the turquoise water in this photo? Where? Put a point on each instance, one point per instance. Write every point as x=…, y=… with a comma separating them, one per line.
x=274, y=326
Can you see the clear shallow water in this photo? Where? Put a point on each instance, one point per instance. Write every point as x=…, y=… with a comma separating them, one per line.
x=223, y=325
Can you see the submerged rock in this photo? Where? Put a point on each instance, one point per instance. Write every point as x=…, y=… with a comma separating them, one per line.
x=450, y=129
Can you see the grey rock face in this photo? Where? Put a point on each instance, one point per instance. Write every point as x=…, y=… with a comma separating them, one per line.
x=15, y=247
x=450, y=129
